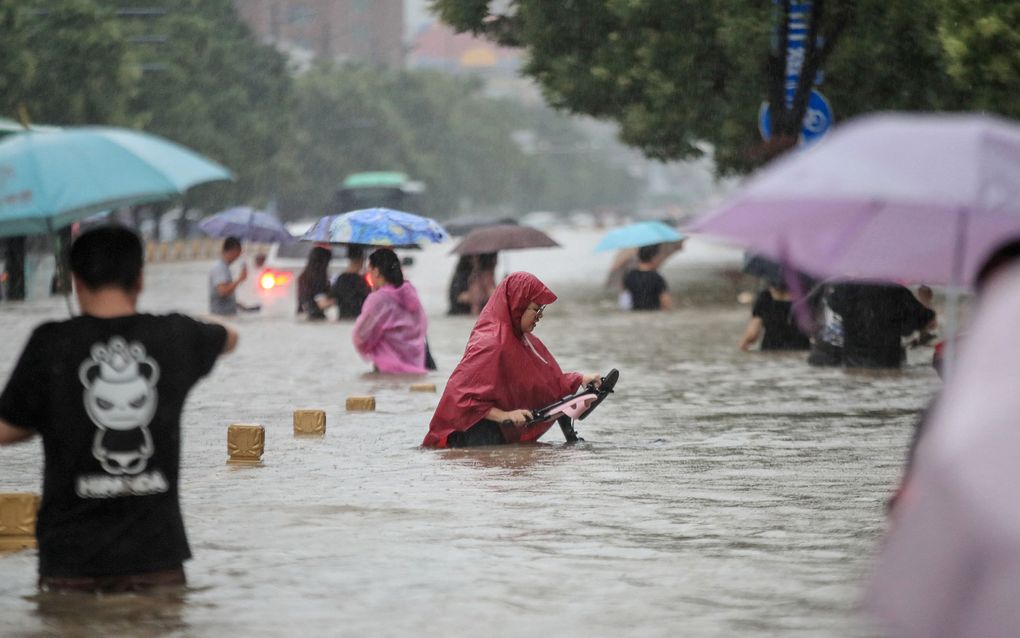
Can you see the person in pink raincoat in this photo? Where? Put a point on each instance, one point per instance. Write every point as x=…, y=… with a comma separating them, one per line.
x=390, y=331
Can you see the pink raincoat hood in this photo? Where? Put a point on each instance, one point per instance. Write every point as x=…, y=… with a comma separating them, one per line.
x=390, y=331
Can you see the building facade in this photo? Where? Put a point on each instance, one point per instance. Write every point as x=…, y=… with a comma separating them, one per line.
x=369, y=31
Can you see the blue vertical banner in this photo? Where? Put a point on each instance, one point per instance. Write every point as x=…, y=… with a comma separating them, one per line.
x=818, y=117
x=796, y=33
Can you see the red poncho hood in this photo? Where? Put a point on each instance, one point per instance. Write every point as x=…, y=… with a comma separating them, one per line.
x=500, y=369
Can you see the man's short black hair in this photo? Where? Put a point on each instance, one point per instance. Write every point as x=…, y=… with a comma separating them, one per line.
x=647, y=253
x=231, y=243
x=107, y=256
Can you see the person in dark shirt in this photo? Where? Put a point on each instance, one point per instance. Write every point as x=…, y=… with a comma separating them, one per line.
x=313, y=283
x=482, y=281
x=459, y=284
x=772, y=314
x=875, y=319
x=105, y=390
x=647, y=288
x=350, y=288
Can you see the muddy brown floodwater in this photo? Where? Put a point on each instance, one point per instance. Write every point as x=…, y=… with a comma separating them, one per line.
x=717, y=493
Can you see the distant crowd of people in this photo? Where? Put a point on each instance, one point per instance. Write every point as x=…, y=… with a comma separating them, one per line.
x=389, y=321
x=859, y=324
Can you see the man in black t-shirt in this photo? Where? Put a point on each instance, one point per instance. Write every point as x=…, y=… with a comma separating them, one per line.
x=350, y=289
x=646, y=286
x=105, y=391
x=772, y=314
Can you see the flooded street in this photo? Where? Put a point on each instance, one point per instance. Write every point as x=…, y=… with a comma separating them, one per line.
x=718, y=493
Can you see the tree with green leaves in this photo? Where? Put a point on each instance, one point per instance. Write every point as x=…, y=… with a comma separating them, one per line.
x=188, y=70
x=981, y=39
x=191, y=71
x=442, y=130
x=677, y=73
x=63, y=62
x=210, y=85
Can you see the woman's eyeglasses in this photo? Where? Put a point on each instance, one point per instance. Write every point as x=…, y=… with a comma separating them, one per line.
x=538, y=311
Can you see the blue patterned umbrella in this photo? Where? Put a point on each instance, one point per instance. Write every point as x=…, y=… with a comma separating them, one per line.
x=376, y=227
x=245, y=222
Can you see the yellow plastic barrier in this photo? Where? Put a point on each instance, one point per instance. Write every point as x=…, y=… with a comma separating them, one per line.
x=245, y=443
x=360, y=404
x=310, y=422
x=17, y=520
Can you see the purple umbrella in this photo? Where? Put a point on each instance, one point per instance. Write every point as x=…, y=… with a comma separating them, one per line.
x=902, y=197
x=245, y=222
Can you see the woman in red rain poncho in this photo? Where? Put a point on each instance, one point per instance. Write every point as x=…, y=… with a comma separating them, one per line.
x=505, y=373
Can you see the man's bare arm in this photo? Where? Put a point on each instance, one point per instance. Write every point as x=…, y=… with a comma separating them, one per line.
x=10, y=434
x=231, y=342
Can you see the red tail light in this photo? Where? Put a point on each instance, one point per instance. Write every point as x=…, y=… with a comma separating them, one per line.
x=270, y=279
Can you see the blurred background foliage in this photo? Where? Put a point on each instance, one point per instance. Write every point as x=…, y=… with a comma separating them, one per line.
x=679, y=77
x=194, y=73
x=677, y=74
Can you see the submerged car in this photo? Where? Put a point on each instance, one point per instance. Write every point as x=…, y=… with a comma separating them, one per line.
x=275, y=274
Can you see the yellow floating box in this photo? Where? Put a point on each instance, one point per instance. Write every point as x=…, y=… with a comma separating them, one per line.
x=360, y=404
x=245, y=443
x=17, y=520
x=423, y=387
x=310, y=422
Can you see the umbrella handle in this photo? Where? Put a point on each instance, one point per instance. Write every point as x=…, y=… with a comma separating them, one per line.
x=58, y=264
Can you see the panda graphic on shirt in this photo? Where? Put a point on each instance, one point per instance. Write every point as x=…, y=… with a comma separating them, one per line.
x=120, y=399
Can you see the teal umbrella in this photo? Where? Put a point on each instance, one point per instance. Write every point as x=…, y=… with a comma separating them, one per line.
x=638, y=234
x=49, y=179
x=10, y=127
